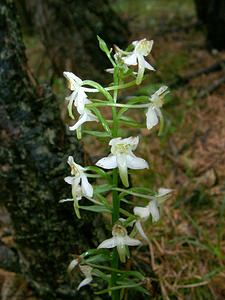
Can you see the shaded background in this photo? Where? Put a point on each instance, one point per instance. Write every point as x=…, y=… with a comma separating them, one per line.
x=186, y=254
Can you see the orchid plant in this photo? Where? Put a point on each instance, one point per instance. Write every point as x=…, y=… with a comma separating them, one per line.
x=112, y=172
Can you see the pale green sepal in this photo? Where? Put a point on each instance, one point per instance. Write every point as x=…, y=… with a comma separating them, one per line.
x=122, y=252
x=79, y=133
x=122, y=166
x=70, y=109
x=76, y=209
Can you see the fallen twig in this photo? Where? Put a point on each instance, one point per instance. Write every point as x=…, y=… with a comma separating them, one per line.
x=182, y=80
x=211, y=88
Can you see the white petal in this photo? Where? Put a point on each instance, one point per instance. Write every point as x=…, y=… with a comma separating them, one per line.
x=154, y=210
x=70, y=75
x=90, y=90
x=86, y=187
x=148, y=66
x=84, y=282
x=162, y=90
x=90, y=116
x=81, y=120
x=151, y=118
x=115, y=141
x=73, y=80
x=80, y=101
x=136, y=163
x=142, y=212
x=131, y=59
x=122, y=166
x=132, y=141
x=141, y=231
x=109, y=243
x=135, y=43
x=86, y=270
x=141, y=69
x=70, y=160
x=72, y=265
x=111, y=70
x=131, y=242
x=66, y=200
x=163, y=191
x=71, y=180
x=108, y=162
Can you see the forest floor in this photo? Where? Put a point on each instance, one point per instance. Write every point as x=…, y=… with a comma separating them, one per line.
x=187, y=247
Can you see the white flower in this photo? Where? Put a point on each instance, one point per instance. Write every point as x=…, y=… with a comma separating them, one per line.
x=86, y=270
x=151, y=209
x=78, y=96
x=142, y=48
x=153, y=113
x=122, y=157
x=86, y=116
x=120, y=240
x=78, y=177
x=76, y=194
x=73, y=264
x=163, y=195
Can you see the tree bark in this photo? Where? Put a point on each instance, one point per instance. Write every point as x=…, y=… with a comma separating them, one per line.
x=69, y=30
x=33, y=155
x=211, y=14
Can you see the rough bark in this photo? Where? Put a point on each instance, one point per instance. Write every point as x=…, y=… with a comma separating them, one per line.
x=212, y=15
x=68, y=30
x=33, y=155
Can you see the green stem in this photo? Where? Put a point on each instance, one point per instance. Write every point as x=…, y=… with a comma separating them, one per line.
x=118, y=105
x=122, y=86
x=116, y=202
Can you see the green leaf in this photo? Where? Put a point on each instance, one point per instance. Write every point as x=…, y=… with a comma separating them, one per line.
x=96, y=208
x=99, y=134
x=99, y=171
x=131, y=123
x=102, y=275
x=138, y=99
x=98, y=259
x=100, y=88
x=102, y=120
x=125, y=286
x=103, y=188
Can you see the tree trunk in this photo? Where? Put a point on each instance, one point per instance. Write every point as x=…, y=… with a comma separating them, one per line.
x=69, y=30
x=33, y=155
x=211, y=14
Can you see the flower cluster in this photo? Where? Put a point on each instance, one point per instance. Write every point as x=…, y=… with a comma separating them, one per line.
x=117, y=165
